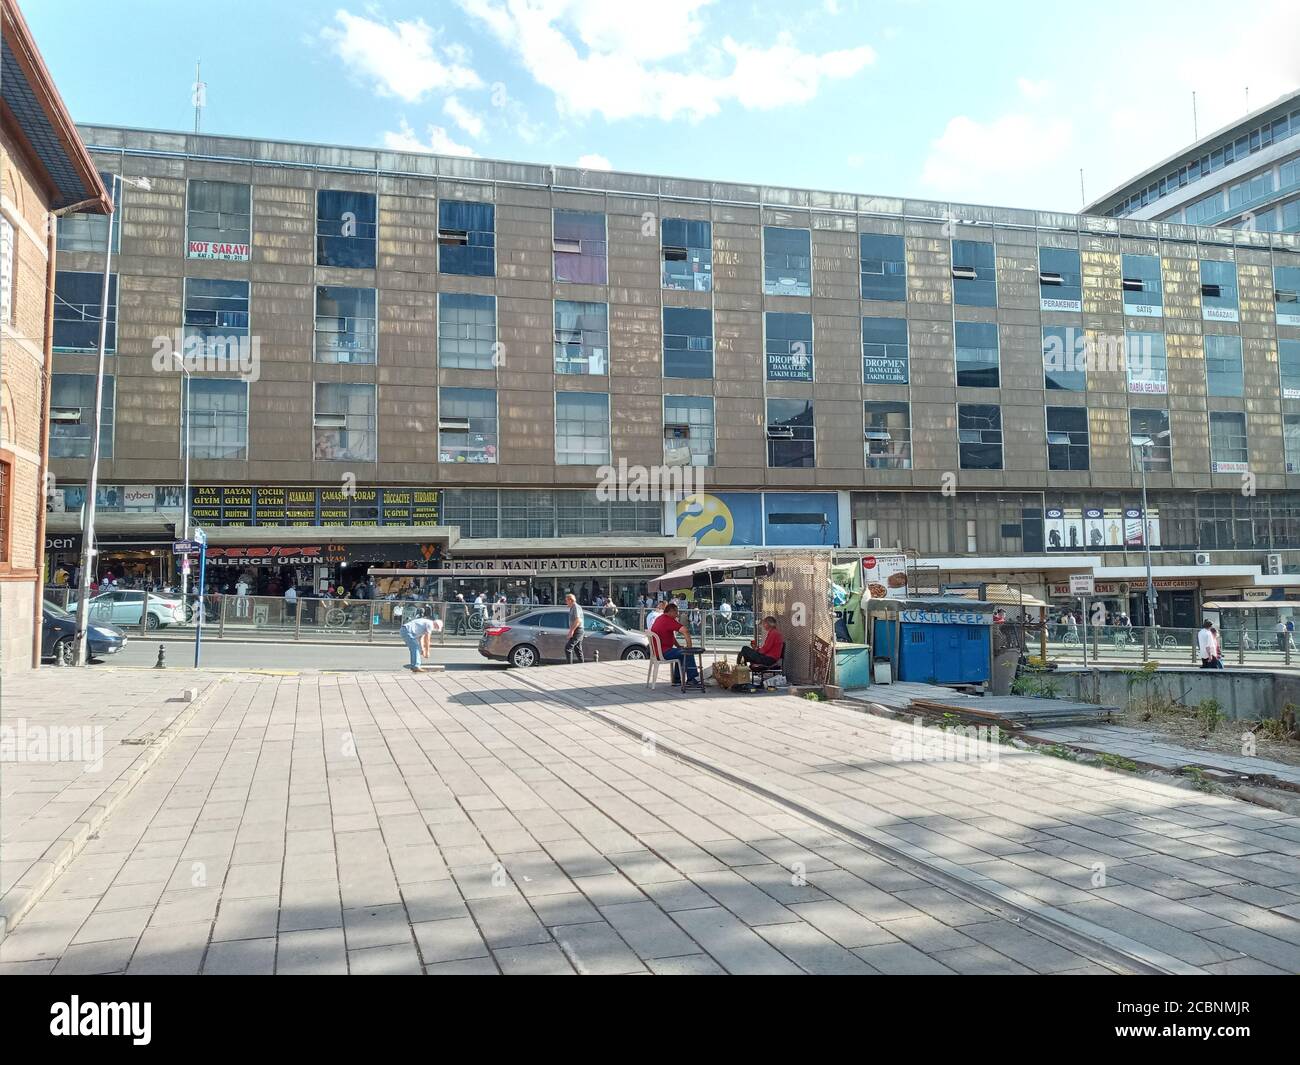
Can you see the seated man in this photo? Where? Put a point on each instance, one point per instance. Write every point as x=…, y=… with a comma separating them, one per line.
x=769, y=652
x=666, y=627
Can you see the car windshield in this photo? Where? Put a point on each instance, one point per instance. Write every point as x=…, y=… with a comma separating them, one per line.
x=56, y=611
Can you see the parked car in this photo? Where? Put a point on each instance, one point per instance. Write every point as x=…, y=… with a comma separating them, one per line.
x=539, y=636
x=123, y=606
x=59, y=637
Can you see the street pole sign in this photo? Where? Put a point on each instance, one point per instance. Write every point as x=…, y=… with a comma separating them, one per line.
x=1082, y=585
x=184, y=547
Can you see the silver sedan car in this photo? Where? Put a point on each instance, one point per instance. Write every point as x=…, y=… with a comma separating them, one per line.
x=539, y=636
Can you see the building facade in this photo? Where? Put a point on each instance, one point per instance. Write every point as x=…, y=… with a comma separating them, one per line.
x=1244, y=176
x=44, y=170
x=965, y=383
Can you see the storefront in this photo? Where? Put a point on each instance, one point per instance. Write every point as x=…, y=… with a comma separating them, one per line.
x=1176, y=606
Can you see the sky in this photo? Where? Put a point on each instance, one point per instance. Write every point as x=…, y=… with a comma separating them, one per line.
x=998, y=103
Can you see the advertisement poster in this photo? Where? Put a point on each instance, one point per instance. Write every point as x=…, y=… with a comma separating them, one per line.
x=138, y=497
x=1098, y=529
x=884, y=576
x=846, y=601
x=728, y=519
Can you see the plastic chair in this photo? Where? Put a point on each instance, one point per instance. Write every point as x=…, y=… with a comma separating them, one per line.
x=656, y=660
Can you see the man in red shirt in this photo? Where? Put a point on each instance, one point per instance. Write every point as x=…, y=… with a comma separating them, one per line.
x=666, y=627
x=769, y=652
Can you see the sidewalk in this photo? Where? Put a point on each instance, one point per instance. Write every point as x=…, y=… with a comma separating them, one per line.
x=72, y=746
x=567, y=819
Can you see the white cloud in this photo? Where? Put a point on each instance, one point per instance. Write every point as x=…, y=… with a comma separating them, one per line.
x=440, y=143
x=996, y=162
x=400, y=59
x=593, y=161
x=1033, y=90
x=646, y=58
x=466, y=119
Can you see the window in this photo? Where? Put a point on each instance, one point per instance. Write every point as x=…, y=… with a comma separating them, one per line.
x=346, y=229
x=581, y=337
x=1291, y=441
x=345, y=324
x=216, y=314
x=1243, y=193
x=789, y=342
x=1067, y=438
x=1218, y=290
x=466, y=238
x=1289, y=174
x=974, y=279
x=883, y=262
x=72, y=407
x=791, y=439
x=218, y=220
x=884, y=351
x=7, y=264
x=1149, y=435
x=579, y=250
x=77, y=298
x=787, y=261
x=1143, y=289
x=1228, y=450
x=1065, y=358
x=467, y=331
x=1288, y=365
x=1286, y=294
x=977, y=354
x=1201, y=211
x=979, y=436
x=688, y=422
x=688, y=342
x=474, y=510
x=345, y=422
x=86, y=232
x=216, y=426
x=1145, y=363
x=687, y=254
x=1223, y=372
x=1060, y=282
x=887, y=428
x=581, y=429
x=467, y=425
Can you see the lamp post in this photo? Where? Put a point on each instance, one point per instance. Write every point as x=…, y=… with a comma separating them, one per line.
x=88, y=547
x=1145, y=444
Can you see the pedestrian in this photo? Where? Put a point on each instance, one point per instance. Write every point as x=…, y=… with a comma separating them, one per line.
x=1205, y=645
x=459, y=615
x=1279, y=630
x=1218, y=649
x=573, y=645
x=418, y=636
x=652, y=617
x=241, y=597
x=291, y=601
x=1290, y=633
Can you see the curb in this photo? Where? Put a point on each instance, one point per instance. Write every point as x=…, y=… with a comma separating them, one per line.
x=20, y=898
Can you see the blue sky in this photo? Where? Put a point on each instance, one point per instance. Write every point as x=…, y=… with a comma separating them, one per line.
x=996, y=103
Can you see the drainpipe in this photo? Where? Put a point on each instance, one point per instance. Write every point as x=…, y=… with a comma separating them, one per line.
x=47, y=386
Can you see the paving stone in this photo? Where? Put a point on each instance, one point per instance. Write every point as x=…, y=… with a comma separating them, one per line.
x=542, y=959
x=96, y=958
x=508, y=923
x=455, y=939
x=814, y=952
x=595, y=949
x=245, y=957
x=469, y=967
x=687, y=965
x=397, y=959
x=375, y=926
x=732, y=943
x=901, y=959
x=316, y=951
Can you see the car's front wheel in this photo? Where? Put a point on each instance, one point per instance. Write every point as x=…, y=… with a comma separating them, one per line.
x=635, y=654
x=524, y=656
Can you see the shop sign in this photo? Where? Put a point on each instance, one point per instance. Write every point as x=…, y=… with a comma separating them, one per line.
x=1114, y=588
x=652, y=564
x=216, y=249
x=944, y=617
x=884, y=577
x=277, y=555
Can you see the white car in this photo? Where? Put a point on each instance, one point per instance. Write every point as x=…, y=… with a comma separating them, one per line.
x=123, y=607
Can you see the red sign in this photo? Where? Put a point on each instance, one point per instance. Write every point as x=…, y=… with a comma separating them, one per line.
x=209, y=249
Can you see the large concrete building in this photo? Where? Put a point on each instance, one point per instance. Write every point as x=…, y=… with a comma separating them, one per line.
x=44, y=170
x=1244, y=176
x=451, y=353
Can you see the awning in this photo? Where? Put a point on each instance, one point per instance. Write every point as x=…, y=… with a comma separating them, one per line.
x=1002, y=594
x=1238, y=604
x=685, y=577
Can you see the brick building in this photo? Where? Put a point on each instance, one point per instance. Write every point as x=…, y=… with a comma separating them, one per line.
x=44, y=170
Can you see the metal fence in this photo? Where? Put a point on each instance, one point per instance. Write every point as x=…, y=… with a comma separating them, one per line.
x=1117, y=644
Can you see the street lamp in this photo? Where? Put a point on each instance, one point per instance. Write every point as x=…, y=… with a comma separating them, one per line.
x=1145, y=443
x=88, y=549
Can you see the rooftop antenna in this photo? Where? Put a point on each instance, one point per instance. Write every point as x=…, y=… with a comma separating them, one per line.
x=1247, y=99
x=1083, y=197
x=199, y=94
x=1195, y=132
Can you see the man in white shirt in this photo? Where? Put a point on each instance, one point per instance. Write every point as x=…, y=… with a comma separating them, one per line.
x=653, y=616
x=291, y=601
x=241, y=598
x=1207, y=648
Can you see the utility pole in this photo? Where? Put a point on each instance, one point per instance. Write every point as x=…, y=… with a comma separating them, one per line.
x=1195, y=132
x=199, y=94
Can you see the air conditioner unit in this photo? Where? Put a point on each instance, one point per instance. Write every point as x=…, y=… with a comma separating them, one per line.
x=1274, y=566
x=677, y=455
x=874, y=543
x=780, y=432
x=1202, y=558
x=1045, y=278
x=964, y=273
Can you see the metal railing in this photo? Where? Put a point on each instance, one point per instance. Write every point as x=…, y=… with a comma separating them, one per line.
x=1112, y=644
